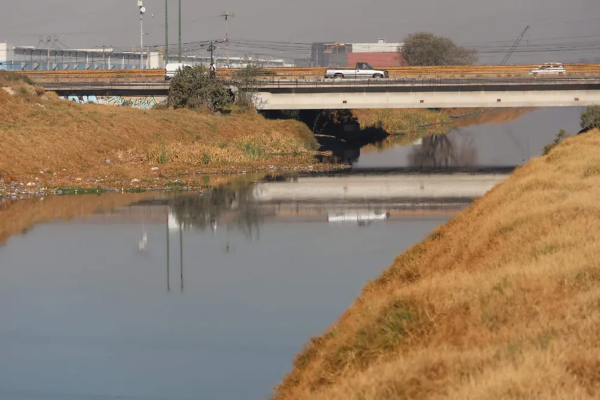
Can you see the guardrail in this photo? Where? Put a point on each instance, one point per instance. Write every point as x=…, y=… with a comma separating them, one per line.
x=310, y=73
x=327, y=83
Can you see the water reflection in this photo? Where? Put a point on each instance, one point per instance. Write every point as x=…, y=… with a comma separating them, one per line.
x=443, y=151
x=176, y=296
x=509, y=139
x=234, y=205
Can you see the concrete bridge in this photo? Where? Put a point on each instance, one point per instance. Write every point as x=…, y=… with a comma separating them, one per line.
x=392, y=93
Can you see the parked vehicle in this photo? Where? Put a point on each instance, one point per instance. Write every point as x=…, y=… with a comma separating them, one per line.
x=362, y=70
x=173, y=68
x=548, y=68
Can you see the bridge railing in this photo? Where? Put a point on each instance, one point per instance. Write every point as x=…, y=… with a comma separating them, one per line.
x=310, y=73
x=122, y=75
x=342, y=83
x=412, y=81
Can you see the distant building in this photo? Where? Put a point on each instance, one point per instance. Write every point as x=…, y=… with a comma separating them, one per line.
x=378, y=54
x=27, y=58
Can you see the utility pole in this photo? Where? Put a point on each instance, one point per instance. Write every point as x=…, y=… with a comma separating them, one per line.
x=211, y=48
x=48, y=55
x=103, y=58
x=140, y=4
x=226, y=15
x=179, y=30
x=166, y=33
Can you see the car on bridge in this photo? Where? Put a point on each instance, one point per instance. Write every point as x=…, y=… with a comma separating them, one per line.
x=173, y=68
x=549, y=68
x=362, y=70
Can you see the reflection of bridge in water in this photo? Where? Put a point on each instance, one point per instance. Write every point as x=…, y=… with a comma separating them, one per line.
x=415, y=188
x=245, y=209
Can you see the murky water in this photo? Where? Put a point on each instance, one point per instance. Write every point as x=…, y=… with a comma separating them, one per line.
x=489, y=145
x=209, y=296
x=214, y=310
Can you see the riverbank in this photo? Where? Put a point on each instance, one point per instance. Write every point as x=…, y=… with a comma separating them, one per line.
x=48, y=142
x=501, y=302
x=406, y=126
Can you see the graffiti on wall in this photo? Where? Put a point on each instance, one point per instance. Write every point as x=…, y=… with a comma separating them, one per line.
x=136, y=102
x=145, y=102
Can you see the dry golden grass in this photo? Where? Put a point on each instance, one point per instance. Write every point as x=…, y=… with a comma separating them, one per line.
x=502, y=302
x=78, y=138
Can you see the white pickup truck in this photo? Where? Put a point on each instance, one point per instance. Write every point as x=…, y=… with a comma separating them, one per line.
x=362, y=70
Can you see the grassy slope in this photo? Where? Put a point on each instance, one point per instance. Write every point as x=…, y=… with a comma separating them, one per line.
x=502, y=302
x=77, y=138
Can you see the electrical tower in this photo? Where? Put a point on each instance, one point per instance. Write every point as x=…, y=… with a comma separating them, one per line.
x=49, y=42
x=227, y=15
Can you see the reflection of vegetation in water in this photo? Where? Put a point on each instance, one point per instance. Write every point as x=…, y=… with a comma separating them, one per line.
x=406, y=138
x=443, y=151
x=234, y=204
x=404, y=126
x=417, y=124
x=401, y=121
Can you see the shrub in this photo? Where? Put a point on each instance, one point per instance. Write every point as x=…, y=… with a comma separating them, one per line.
x=246, y=80
x=194, y=88
x=560, y=136
x=590, y=118
x=254, y=150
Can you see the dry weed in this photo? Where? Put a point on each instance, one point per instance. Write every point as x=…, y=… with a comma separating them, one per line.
x=65, y=136
x=503, y=302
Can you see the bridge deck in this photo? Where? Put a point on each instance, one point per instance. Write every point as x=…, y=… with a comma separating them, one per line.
x=382, y=93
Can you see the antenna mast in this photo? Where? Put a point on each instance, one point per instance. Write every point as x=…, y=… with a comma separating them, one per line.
x=227, y=15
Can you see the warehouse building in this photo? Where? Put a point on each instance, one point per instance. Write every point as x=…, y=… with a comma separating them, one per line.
x=378, y=54
x=32, y=58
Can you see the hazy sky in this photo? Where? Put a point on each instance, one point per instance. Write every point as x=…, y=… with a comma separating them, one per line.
x=87, y=23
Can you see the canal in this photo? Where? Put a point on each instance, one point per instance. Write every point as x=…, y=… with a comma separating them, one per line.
x=209, y=295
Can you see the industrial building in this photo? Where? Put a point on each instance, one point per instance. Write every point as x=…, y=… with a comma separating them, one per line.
x=28, y=58
x=379, y=54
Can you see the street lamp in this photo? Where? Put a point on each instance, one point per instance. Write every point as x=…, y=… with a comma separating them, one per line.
x=140, y=4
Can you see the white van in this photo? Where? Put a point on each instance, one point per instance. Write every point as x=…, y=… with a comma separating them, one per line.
x=548, y=68
x=174, y=68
